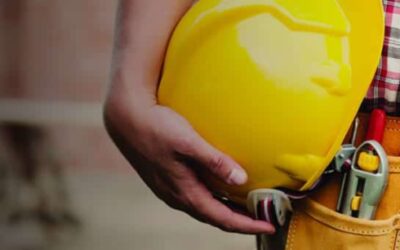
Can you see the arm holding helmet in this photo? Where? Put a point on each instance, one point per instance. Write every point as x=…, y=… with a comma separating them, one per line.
x=160, y=144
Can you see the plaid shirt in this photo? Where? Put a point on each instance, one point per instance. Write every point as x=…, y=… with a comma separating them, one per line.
x=384, y=91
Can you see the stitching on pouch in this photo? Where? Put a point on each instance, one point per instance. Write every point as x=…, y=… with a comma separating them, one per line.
x=392, y=244
x=394, y=166
x=290, y=234
x=381, y=231
x=292, y=231
x=393, y=129
x=393, y=120
x=396, y=240
x=351, y=230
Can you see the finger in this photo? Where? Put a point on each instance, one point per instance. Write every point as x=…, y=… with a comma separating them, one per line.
x=221, y=165
x=203, y=206
x=235, y=207
x=222, y=217
x=228, y=220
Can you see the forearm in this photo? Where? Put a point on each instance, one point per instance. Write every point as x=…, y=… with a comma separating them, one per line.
x=143, y=30
x=159, y=143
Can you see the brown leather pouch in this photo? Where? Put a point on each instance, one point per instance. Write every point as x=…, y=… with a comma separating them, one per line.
x=316, y=225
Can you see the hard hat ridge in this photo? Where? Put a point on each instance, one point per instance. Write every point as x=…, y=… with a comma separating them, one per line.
x=296, y=14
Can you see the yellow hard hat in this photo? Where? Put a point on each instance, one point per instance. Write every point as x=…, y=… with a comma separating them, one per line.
x=275, y=84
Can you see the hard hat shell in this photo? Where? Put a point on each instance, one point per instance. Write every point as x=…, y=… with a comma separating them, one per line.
x=275, y=84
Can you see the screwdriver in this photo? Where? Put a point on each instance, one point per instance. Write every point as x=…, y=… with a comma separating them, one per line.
x=376, y=125
x=367, y=159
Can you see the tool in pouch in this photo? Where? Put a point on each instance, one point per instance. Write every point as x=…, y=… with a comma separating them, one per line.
x=365, y=181
x=274, y=205
x=365, y=174
x=270, y=205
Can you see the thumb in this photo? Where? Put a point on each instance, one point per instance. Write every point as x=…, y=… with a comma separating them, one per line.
x=221, y=165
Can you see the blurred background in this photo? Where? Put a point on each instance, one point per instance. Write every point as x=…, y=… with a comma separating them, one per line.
x=63, y=185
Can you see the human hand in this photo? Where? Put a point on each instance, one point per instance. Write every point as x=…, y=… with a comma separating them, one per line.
x=168, y=155
x=160, y=144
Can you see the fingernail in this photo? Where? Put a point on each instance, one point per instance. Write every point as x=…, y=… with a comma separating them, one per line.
x=271, y=231
x=237, y=177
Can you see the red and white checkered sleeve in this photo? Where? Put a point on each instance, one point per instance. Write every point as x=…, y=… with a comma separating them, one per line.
x=384, y=90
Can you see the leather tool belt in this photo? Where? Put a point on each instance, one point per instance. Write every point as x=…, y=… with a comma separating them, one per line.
x=315, y=224
x=390, y=204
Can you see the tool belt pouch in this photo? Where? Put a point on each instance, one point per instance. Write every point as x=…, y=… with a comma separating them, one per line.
x=316, y=225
